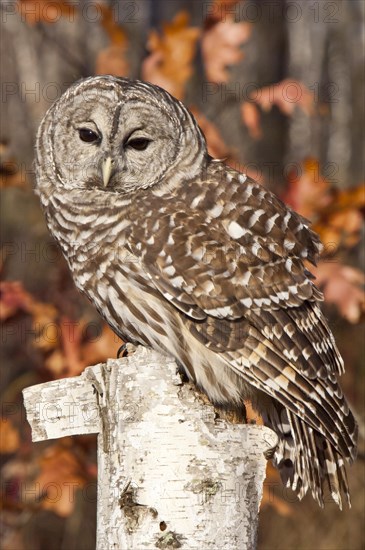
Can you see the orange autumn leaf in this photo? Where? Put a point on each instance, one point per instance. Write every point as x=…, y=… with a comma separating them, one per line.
x=340, y=229
x=34, y=11
x=10, y=174
x=351, y=198
x=251, y=118
x=9, y=437
x=269, y=498
x=112, y=60
x=44, y=324
x=79, y=354
x=170, y=64
x=101, y=348
x=346, y=200
x=307, y=191
x=340, y=222
x=115, y=33
x=61, y=474
x=68, y=345
x=337, y=216
x=252, y=416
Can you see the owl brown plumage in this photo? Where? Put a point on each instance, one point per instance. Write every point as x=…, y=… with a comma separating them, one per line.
x=181, y=253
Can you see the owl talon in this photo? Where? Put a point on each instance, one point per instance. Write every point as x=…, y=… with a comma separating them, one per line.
x=126, y=350
x=122, y=351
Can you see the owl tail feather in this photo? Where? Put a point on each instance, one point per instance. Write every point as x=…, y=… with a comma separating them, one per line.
x=306, y=460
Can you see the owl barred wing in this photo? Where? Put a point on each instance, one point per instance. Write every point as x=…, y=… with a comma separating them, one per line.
x=207, y=264
x=235, y=269
x=224, y=241
x=264, y=363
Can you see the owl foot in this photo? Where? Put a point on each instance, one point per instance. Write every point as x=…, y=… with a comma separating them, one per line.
x=125, y=350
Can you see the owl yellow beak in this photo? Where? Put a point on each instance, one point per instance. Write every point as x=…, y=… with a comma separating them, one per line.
x=107, y=170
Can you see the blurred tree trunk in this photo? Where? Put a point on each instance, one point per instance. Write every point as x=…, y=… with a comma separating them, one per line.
x=321, y=54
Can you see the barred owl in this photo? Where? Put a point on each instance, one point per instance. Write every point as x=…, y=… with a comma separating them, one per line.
x=181, y=253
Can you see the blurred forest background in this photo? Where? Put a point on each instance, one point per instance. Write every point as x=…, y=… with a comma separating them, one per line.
x=278, y=88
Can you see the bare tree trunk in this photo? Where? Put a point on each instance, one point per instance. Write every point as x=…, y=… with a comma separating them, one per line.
x=171, y=474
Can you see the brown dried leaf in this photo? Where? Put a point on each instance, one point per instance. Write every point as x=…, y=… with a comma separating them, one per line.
x=44, y=324
x=251, y=118
x=13, y=298
x=221, y=47
x=286, y=95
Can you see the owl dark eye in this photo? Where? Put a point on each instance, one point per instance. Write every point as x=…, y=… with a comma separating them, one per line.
x=139, y=144
x=88, y=135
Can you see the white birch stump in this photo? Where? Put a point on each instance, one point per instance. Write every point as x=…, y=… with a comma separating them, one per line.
x=170, y=473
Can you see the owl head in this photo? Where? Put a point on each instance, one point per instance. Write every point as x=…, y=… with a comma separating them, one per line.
x=115, y=135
